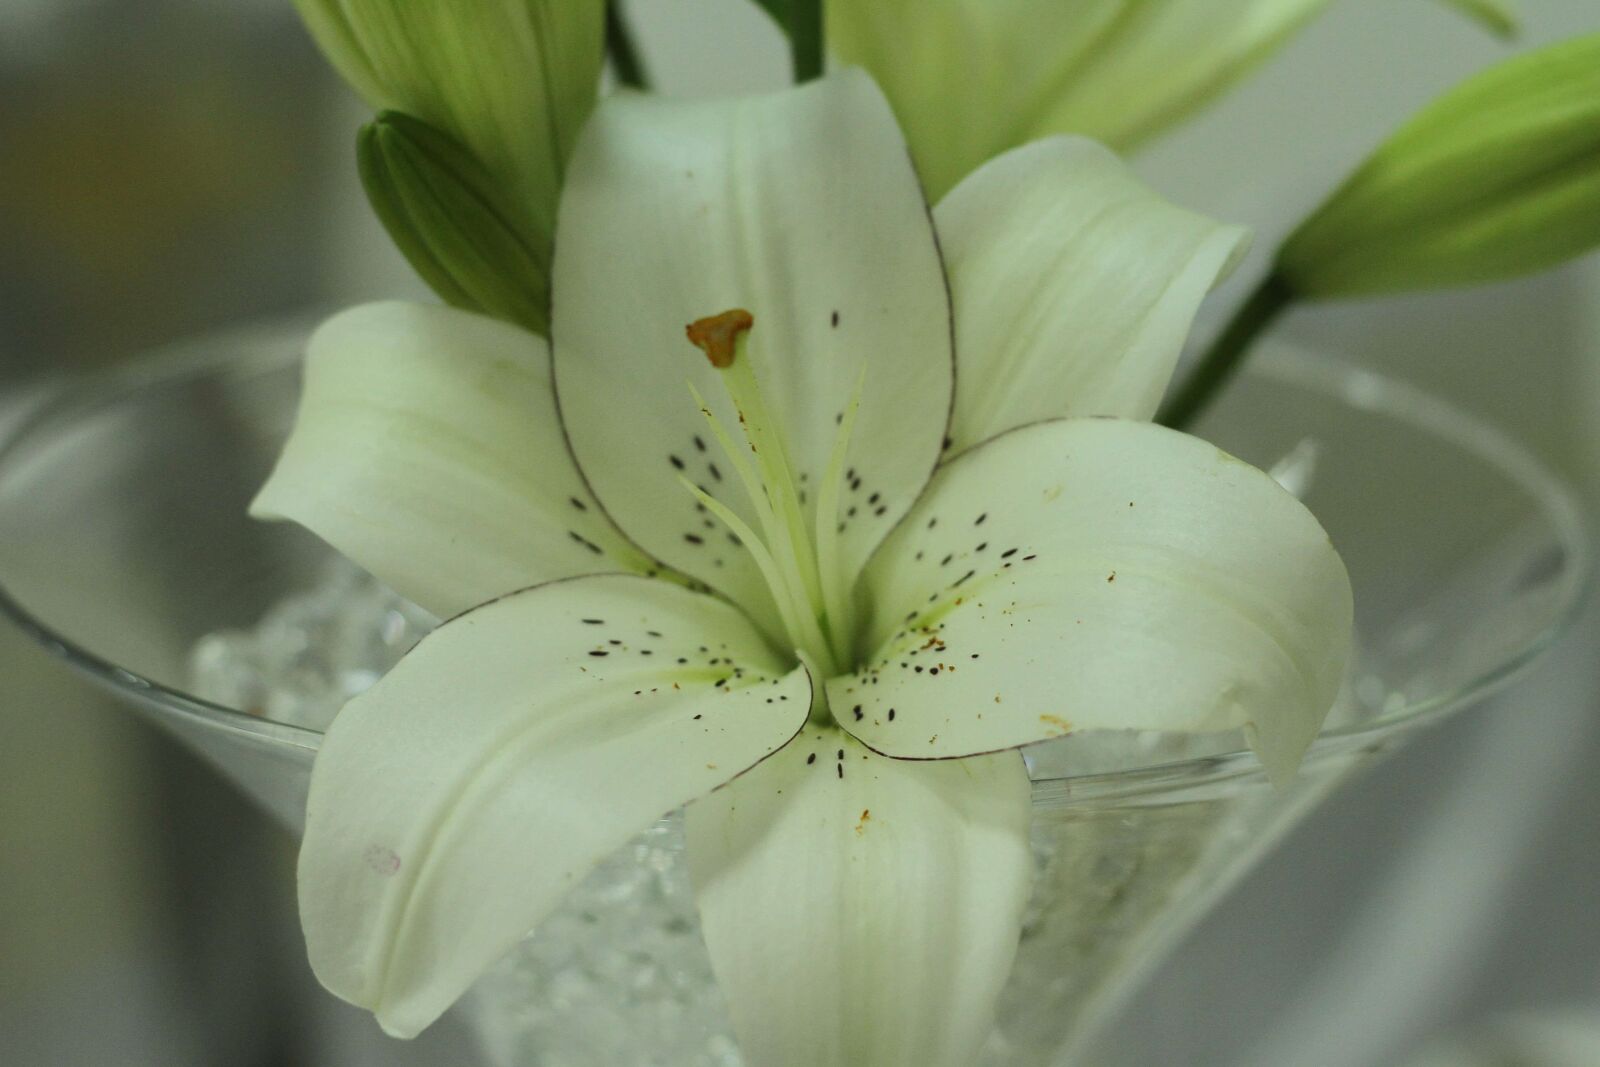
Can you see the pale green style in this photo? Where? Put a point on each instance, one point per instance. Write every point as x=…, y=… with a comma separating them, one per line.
x=1497, y=178
x=511, y=80
x=970, y=79
x=769, y=590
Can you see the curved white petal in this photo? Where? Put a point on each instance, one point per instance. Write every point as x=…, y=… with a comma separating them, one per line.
x=515, y=747
x=428, y=450
x=801, y=207
x=1095, y=573
x=1074, y=287
x=862, y=910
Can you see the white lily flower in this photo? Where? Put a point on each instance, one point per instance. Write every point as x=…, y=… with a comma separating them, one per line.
x=834, y=624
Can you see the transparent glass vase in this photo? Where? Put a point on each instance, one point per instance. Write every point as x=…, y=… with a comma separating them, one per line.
x=124, y=547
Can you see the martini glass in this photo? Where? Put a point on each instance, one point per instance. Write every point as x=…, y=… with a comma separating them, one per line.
x=125, y=550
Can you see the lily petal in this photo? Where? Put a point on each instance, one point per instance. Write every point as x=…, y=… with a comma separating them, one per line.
x=801, y=207
x=862, y=910
x=456, y=801
x=1074, y=287
x=428, y=450
x=1095, y=573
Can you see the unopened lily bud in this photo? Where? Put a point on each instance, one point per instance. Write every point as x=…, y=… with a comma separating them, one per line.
x=1499, y=177
x=1119, y=71
x=1114, y=70
x=511, y=80
x=1499, y=17
x=452, y=221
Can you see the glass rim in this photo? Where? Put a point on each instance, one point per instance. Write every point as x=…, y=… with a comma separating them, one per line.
x=1282, y=362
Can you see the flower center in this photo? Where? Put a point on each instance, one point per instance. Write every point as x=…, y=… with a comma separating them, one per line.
x=798, y=555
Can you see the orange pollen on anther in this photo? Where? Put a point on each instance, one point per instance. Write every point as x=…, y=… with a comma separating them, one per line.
x=717, y=334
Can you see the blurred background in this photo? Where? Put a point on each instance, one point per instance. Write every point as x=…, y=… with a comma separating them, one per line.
x=168, y=167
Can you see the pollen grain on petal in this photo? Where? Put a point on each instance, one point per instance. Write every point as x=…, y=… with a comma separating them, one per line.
x=1057, y=723
x=718, y=335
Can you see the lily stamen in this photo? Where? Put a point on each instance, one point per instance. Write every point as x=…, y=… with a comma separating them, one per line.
x=786, y=556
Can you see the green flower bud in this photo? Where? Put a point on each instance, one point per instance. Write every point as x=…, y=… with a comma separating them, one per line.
x=511, y=80
x=452, y=221
x=801, y=22
x=1499, y=177
x=1499, y=17
x=1120, y=71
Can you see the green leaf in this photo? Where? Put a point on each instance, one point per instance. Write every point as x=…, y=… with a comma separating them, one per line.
x=452, y=221
x=1500, y=177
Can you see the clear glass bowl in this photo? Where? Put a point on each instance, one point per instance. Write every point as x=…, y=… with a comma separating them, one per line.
x=124, y=545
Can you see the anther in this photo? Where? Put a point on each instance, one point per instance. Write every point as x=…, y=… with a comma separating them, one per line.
x=716, y=335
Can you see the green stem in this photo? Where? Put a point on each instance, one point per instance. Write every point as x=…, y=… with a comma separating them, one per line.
x=625, y=58
x=1227, y=352
x=805, y=39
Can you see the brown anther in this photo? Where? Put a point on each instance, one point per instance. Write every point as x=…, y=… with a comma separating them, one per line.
x=716, y=335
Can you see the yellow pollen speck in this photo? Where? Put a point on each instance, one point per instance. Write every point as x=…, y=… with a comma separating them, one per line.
x=716, y=335
x=1058, y=722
